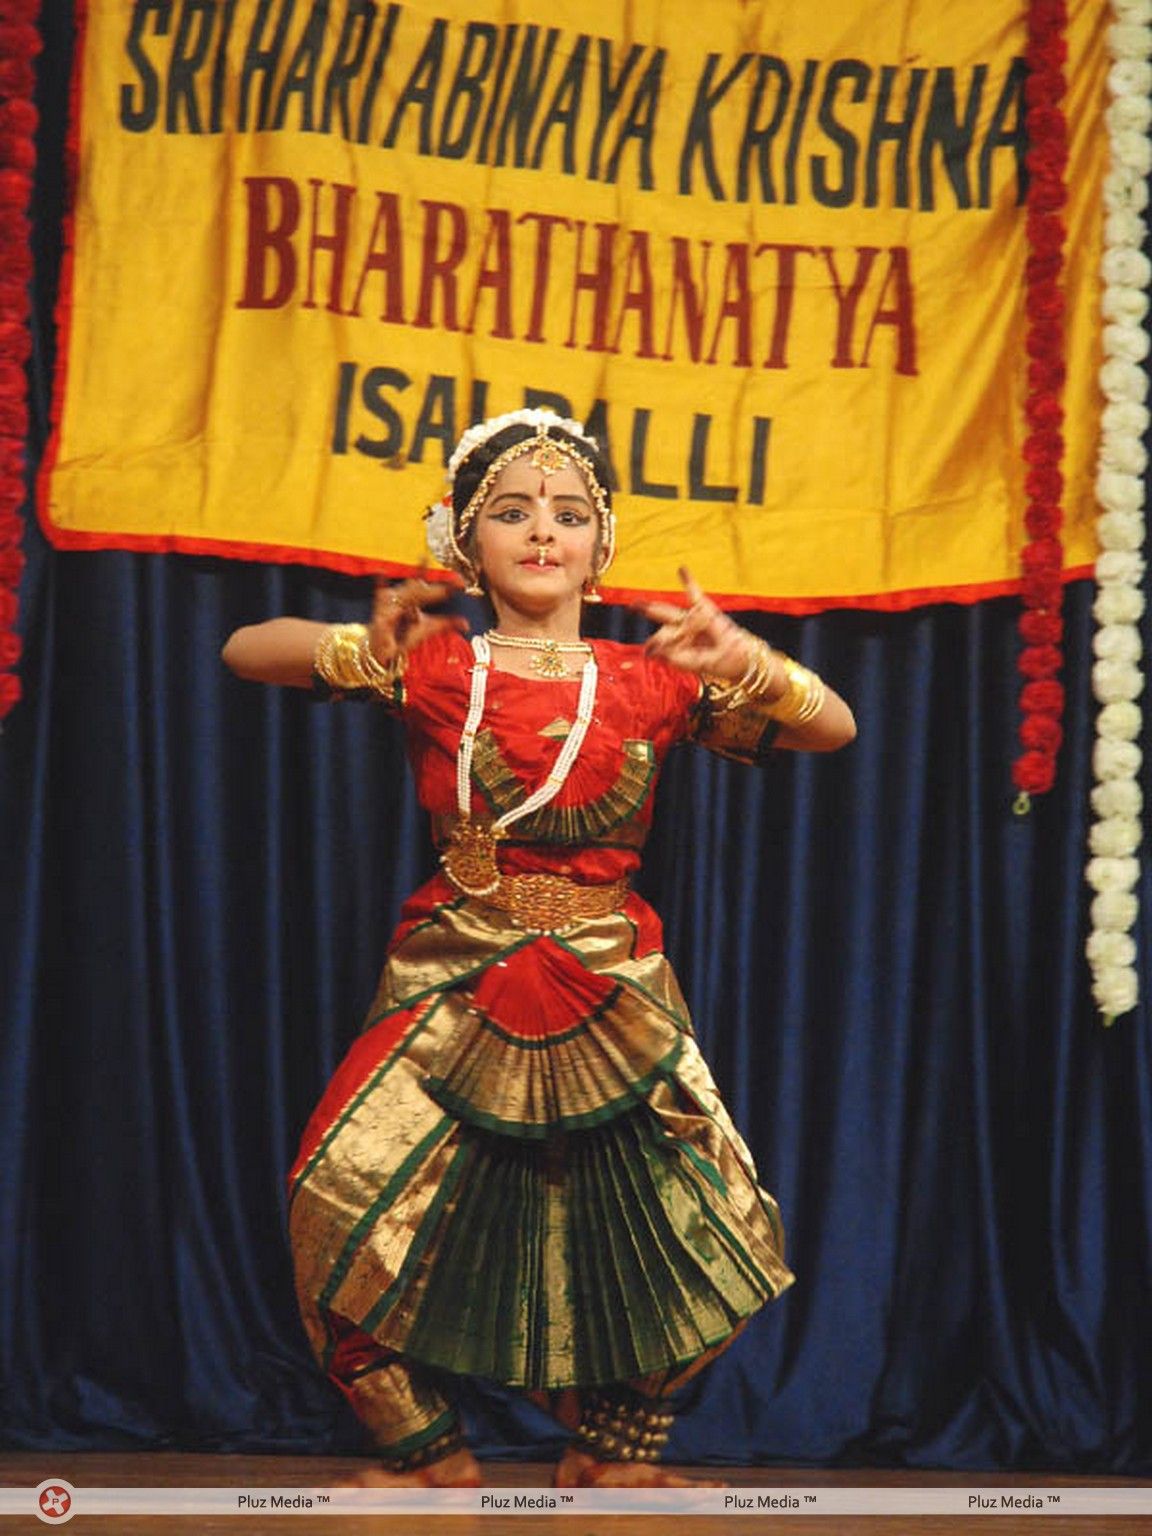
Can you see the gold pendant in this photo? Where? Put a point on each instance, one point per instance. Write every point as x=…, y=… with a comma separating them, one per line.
x=548, y=662
x=470, y=858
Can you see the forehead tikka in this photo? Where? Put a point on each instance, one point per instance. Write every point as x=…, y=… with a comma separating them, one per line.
x=548, y=456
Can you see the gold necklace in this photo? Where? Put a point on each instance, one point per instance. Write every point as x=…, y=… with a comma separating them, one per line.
x=548, y=660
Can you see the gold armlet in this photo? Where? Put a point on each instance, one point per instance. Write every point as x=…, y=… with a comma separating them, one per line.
x=802, y=699
x=742, y=719
x=344, y=662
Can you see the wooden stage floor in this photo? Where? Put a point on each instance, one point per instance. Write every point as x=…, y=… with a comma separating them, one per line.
x=158, y=1469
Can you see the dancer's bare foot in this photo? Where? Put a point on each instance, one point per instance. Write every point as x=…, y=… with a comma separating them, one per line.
x=579, y=1470
x=459, y=1470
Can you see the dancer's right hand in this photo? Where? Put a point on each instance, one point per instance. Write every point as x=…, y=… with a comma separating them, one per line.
x=399, y=622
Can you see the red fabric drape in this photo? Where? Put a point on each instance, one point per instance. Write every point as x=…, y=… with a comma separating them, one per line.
x=1042, y=559
x=19, y=45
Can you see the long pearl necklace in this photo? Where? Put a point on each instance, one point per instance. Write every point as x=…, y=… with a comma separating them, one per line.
x=470, y=858
x=548, y=657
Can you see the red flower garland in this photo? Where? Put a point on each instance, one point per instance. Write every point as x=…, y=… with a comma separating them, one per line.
x=1042, y=560
x=19, y=45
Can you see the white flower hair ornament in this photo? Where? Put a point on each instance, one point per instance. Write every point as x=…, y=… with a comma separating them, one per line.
x=438, y=532
x=530, y=416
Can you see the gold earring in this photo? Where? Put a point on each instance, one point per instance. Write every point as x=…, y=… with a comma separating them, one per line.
x=590, y=592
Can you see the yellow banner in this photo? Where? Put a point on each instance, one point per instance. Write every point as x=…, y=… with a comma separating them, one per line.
x=772, y=254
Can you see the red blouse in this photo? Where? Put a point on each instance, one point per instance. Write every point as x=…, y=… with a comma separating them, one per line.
x=594, y=828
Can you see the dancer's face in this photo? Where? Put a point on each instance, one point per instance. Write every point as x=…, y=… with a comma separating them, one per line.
x=536, y=538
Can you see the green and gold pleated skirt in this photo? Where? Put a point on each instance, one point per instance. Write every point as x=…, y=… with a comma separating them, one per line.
x=522, y=1170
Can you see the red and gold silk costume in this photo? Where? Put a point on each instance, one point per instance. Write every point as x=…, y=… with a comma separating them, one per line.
x=522, y=1170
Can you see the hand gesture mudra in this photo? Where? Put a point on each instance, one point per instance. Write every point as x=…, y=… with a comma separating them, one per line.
x=700, y=638
x=399, y=623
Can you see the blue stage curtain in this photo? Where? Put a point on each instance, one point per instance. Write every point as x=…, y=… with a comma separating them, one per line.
x=884, y=964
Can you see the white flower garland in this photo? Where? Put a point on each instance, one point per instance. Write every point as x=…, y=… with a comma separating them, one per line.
x=1117, y=679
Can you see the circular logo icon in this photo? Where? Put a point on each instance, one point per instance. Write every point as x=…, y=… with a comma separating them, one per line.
x=55, y=1500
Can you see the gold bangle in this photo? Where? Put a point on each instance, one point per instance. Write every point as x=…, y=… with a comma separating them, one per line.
x=801, y=701
x=752, y=686
x=725, y=695
x=344, y=661
x=381, y=676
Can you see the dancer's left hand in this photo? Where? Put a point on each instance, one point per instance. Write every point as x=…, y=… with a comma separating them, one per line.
x=700, y=638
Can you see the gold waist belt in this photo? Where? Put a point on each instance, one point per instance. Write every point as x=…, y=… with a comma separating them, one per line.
x=544, y=902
